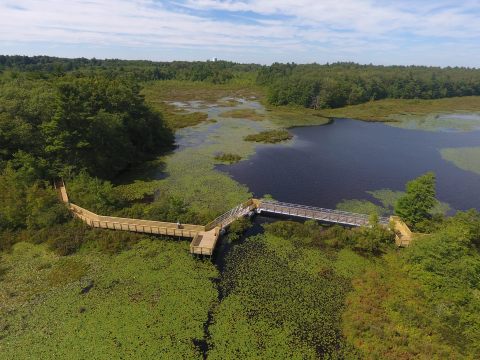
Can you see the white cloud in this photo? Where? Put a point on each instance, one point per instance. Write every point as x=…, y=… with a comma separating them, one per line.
x=296, y=30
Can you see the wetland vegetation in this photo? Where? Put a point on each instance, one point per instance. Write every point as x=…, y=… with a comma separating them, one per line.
x=228, y=158
x=465, y=158
x=287, y=290
x=269, y=137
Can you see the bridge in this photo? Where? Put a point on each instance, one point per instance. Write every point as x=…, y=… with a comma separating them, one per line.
x=205, y=238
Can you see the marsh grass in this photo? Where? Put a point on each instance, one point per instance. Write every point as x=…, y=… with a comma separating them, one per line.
x=290, y=116
x=174, y=90
x=178, y=118
x=400, y=109
x=270, y=136
x=249, y=114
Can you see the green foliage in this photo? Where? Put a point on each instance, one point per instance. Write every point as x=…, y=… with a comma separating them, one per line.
x=375, y=239
x=63, y=240
x=113, y=242
x=74, y=123
x=93, y=194
x=412, y=114
x=170, y=208
x=216, y=72
x=296, y=232
x=423, y=302
x=418, y=201
x=340, y=84
x=27, y=203
x=179, y=121
x=270, y=136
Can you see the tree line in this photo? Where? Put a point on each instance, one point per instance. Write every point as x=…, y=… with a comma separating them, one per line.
x=217, y=72
x=340, y=84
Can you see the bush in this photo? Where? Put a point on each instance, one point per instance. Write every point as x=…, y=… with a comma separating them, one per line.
x=66, y=239
x=228, y=158
x=44, y=209
x=93, y=194
x=416, y=205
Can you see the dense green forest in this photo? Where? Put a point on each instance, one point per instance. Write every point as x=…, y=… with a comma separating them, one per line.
x=71, y=123
x=336, y=85
x=217, y=72
x=300, y=291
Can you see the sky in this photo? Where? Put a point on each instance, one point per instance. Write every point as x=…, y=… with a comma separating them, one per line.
x=403, y=32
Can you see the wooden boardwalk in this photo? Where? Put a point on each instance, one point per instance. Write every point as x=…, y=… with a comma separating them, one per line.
x=205, y=238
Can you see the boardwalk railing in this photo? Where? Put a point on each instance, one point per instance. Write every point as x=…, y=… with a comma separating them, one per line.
x=309, y=212
x=205, y=237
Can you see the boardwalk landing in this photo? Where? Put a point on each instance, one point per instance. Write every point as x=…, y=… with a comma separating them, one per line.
x=205, y=237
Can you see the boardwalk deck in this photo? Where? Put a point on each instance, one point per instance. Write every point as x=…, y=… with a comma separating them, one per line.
x=204, y=243
x=205, y=238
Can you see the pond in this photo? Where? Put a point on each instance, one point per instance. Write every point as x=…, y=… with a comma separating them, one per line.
x=344, y=159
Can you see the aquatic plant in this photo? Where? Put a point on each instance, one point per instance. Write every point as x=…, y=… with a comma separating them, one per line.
x=228, y=158
x=148, y=302
x=465, y=158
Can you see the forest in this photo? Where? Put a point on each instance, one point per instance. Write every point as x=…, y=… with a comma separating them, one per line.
x=217, y=72
x=340, y=84
x=295, y=290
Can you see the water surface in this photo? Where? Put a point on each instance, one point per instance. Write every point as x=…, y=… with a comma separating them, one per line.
x=342, y=160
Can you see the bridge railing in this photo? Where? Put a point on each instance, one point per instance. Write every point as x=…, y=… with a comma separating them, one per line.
x=272, y=205
x=228, y=217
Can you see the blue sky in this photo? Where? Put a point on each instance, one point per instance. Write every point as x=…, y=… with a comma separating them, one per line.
x=442, y=32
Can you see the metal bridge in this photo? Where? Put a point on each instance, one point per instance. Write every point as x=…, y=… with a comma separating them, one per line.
x=320, y=214
x=206, y=237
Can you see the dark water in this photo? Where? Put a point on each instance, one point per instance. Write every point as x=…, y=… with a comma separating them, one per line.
x=346, y=158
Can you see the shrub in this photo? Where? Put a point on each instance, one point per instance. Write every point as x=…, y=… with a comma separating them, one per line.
x=66, y=239
x=228, y=158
